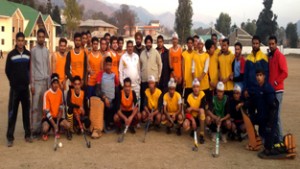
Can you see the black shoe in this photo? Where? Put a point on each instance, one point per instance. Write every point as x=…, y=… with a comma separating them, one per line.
x=178, y=132
x=201, y=139
x=28, y=139
x=69, y=135
x=119, y=130
x=10, y=143
x=231, y=135
x=156, y=127
x=132, y=130
x=168, y=131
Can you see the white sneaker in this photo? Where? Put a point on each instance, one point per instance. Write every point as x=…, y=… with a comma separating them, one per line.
x=224, y=138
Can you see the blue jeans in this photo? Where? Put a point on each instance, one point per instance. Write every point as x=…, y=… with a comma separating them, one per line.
x=91, y=91
x=279, y=96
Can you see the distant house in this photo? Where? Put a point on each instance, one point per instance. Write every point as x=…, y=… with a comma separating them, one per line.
x=209, y=31
x=240, y=35
x=16, y=18
x=97, y=27
x=153, y=29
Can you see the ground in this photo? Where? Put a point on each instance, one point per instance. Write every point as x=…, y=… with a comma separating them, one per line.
x=160, y=150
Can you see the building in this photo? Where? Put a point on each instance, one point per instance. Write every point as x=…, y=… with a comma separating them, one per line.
x=153, y=29
x=240, y=35
x=16, y=18
x=97, y=27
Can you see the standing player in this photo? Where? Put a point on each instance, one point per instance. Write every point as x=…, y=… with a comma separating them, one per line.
x=238, y=65
x=128, y=112
x=172, y=108
x=113, y=53
x=84, y=39
x=195, y=114
x=89, y=41
x=120, y=46
x=96, y=65
x=175, y=57
x=103, y=47
x=214, y=38
x=196, y=41
x=138, y=48
x=53, y=109
x=107, y=38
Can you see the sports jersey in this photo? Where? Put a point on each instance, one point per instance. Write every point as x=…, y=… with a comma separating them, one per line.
x=196, y=102
x=152, y=99
x=225, y=66
x=95, y=63
x=188, y=59
x=52, y=100
x=176, y=60
x=172, y=103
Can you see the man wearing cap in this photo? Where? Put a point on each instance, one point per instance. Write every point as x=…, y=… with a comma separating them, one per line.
x=150, y=63
x=195, y=114
x=172, y=108
x=175, y=60
x=218, y=113
x=53, y=109
x=152, y=103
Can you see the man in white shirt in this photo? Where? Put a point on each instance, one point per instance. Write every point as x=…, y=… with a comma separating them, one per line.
x=129, y=66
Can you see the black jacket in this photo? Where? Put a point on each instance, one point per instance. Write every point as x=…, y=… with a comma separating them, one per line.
x=166, y=70
x=17, y=68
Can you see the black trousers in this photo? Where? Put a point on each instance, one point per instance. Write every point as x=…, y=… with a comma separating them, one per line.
x=15, y=97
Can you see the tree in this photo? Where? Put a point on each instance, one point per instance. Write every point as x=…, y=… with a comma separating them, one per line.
x=49, y=7
x=183, y=19
x=292, y=35
x=249, y=26
x=233, y=27
x=41, y=8
x=124, y=16
x=266, y=22
x=73, y=13
x=30, y=3
x=55, y=15
x=223, y=24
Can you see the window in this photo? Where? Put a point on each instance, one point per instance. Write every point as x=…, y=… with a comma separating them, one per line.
x=13, y=29
x=2, y=42
x=2, y=28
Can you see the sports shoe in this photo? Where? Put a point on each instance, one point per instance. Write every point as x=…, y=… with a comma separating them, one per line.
x=201, y=139
x=132, y=130
x=224, y=138
x=10, y=143
x=95, y=134
x=28, y=140
x=168, y=131
x=45, y=137
x=69, y=135
x=178, y=132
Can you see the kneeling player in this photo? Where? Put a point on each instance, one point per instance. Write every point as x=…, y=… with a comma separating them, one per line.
x=153, y=99
x=218, y=115
x=172, y=108
x=128, y=112
x=76, y=114
x=53, y=109
x=195, y=110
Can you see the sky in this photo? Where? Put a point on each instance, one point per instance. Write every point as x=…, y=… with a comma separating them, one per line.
x=239, y=10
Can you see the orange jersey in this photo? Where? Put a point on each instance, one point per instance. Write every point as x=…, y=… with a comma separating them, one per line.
x=77, y=63
x=52, y=100
x=176, y=60
x=121, y=53
x=78, y=100
x=60, y=65
x=127, y=102
x=95, y=63
x=115, y=63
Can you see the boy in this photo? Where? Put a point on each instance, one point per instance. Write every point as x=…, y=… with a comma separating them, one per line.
x=128, y=111
x=172, y=108
x=75, y=101
x=237, y=123
x=113, y=53
x=152, y=103
x=53, y=109
x=195, y=114
x=107, y=90
x=218, y=115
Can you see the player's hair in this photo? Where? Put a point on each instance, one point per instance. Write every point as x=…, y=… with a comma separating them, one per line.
x=77, y=35
x=103, y=39
x=160, y=37
x=208, y=44
x=273, y=38
x=106, y=34
x=54, y=75
x=260, y=70
x=127, y=80
x=129, y=42
x=76, y=78
x=108, y=59
x=255, y=37
x=20, y=35
x=226, y=40
x=41, y=30
x=138, y=34
x=189, y=39
x=238, y=44
x=148, y=37
x=214, y=35
x=113, y=38
x=95, y=39
x=196, y=36
x=83, y=33
x=120, y=38
x=88, y=33
x=62, y=40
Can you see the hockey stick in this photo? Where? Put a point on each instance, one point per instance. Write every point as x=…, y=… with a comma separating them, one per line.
x=217, y=151
x=195, y=148
x=88, y=143
x=147, y=126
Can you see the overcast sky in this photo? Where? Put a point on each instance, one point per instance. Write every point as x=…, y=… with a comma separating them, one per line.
x=240, y=10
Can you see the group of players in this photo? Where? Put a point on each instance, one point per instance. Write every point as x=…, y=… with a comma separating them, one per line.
x=181, y=87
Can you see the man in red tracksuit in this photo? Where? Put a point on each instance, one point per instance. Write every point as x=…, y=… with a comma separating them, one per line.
x=278, y=72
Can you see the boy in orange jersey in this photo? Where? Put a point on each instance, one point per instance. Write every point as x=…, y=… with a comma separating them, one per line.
x=89, y=41
x=175, y=60
x=113, y=53
x=76, y=114
x=103, y=46
x=84, y=39
x=59, y=61
x=128, y=111
x=120, y=46
x=53, y=109
x=76, y=61
x=95, y=66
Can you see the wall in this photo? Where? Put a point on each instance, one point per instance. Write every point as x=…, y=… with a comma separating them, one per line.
x=6, y=35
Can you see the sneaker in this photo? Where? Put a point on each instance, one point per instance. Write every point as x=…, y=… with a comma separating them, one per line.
x=178, y=132
x=132, y=130
x=224, y=138
x=45, y=137
x=28, y=140
x=201, y=139
x=168, y=131
x=69, y=135
x=10, y=143
x=95, y=134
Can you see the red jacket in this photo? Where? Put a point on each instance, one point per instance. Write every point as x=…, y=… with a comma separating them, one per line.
x=278, y=70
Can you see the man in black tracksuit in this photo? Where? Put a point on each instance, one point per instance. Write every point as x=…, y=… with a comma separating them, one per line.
x=17, y=72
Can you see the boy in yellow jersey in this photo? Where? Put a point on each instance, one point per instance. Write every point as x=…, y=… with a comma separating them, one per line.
x=188, y=56
x=214, y=38
x=196, y=41
x=76, y=114
x=195, y=114
x=172, y=108
x=200, y=67
x=225, y=68
x=175, y=60
x=152, y=103
x=95, y=66
x=120, y=46
x=53, y=109
x=113, y=53
x=59, y=61
x=76, y=61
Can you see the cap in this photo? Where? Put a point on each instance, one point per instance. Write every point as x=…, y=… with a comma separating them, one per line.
x=220, y=86
x=151, y=78
x=196, y=82
x=54, y=77
x=237, y=88
x=175, y=35
x=172, y=83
